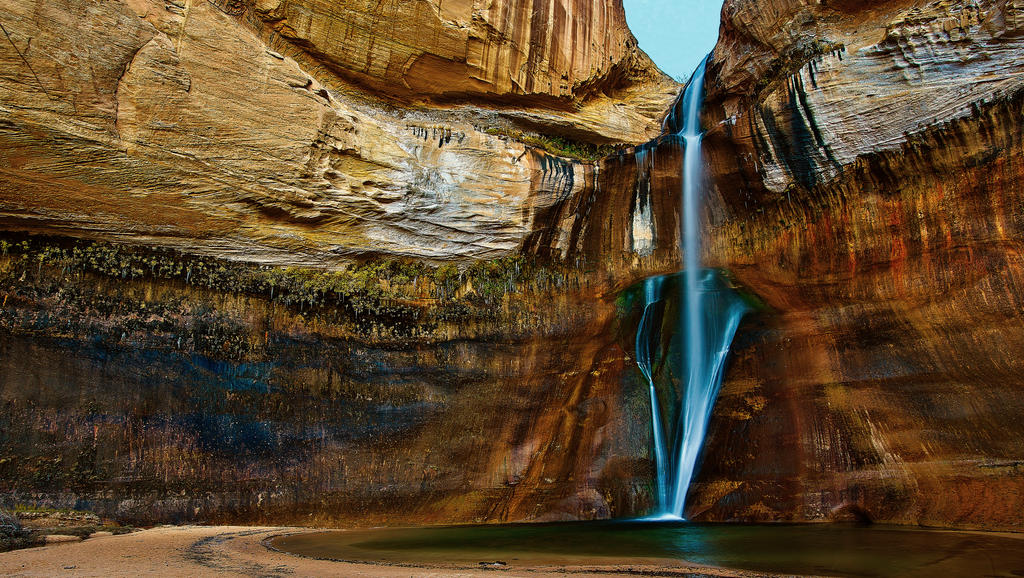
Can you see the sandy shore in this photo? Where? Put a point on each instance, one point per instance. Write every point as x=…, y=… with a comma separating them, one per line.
x=240, y=551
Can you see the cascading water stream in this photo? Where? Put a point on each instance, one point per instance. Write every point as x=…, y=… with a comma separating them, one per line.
x=645, y=360
x=720, y=310
x=710, y=316
x=691, y=433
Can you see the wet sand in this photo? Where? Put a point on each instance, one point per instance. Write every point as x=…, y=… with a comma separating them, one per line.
x=241, y=551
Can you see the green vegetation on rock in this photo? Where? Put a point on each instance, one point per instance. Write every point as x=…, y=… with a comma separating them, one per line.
x=359, y=286
x=556, y=145
x=378, y=299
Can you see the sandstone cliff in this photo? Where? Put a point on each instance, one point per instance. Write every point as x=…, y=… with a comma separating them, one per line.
x=867, y=161
x=185, y=374
x=865, y=164
x=235, y=129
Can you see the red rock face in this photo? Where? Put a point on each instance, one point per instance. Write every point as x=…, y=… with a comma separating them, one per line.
x=884, y=382
x=865, y=161
x=865, y=164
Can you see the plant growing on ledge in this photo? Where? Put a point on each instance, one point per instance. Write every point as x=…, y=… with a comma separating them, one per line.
x=555, y=145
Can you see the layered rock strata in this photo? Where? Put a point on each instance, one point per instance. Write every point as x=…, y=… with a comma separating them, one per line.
x=864, y=168
x=206, y=378
x=157, y=397
x=867, y=160
x=233, y=128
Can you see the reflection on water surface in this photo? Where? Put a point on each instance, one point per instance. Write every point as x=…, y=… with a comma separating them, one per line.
x=799, y=549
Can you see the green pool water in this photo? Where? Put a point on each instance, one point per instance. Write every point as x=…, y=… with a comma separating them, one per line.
x=821, y=549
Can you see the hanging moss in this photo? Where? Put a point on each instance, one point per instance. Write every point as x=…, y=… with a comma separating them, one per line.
x=379, y=297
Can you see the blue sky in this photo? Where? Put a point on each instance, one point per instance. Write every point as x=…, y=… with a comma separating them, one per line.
x=676, y=34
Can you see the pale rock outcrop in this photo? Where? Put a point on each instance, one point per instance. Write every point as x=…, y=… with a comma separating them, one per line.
x=819, y=86
x=215, y=127
x=573, y=56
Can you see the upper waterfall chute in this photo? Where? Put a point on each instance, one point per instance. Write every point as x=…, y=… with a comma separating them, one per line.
x=683, y=119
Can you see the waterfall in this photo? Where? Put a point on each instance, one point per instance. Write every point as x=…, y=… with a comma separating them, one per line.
x=645, y=360
x=696, y=390
x=718, y=312
x=709, y=317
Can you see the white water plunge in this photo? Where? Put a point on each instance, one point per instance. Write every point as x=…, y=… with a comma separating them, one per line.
x=709, y=317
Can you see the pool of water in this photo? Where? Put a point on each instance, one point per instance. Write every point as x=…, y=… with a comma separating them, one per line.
x=832, y=549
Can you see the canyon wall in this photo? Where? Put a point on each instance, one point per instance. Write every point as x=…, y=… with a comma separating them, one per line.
x=148, y=401
x=271, y=348
x=214, y=222
x=867, y=160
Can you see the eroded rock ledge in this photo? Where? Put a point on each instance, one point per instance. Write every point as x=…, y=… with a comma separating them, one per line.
x=234, y=129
